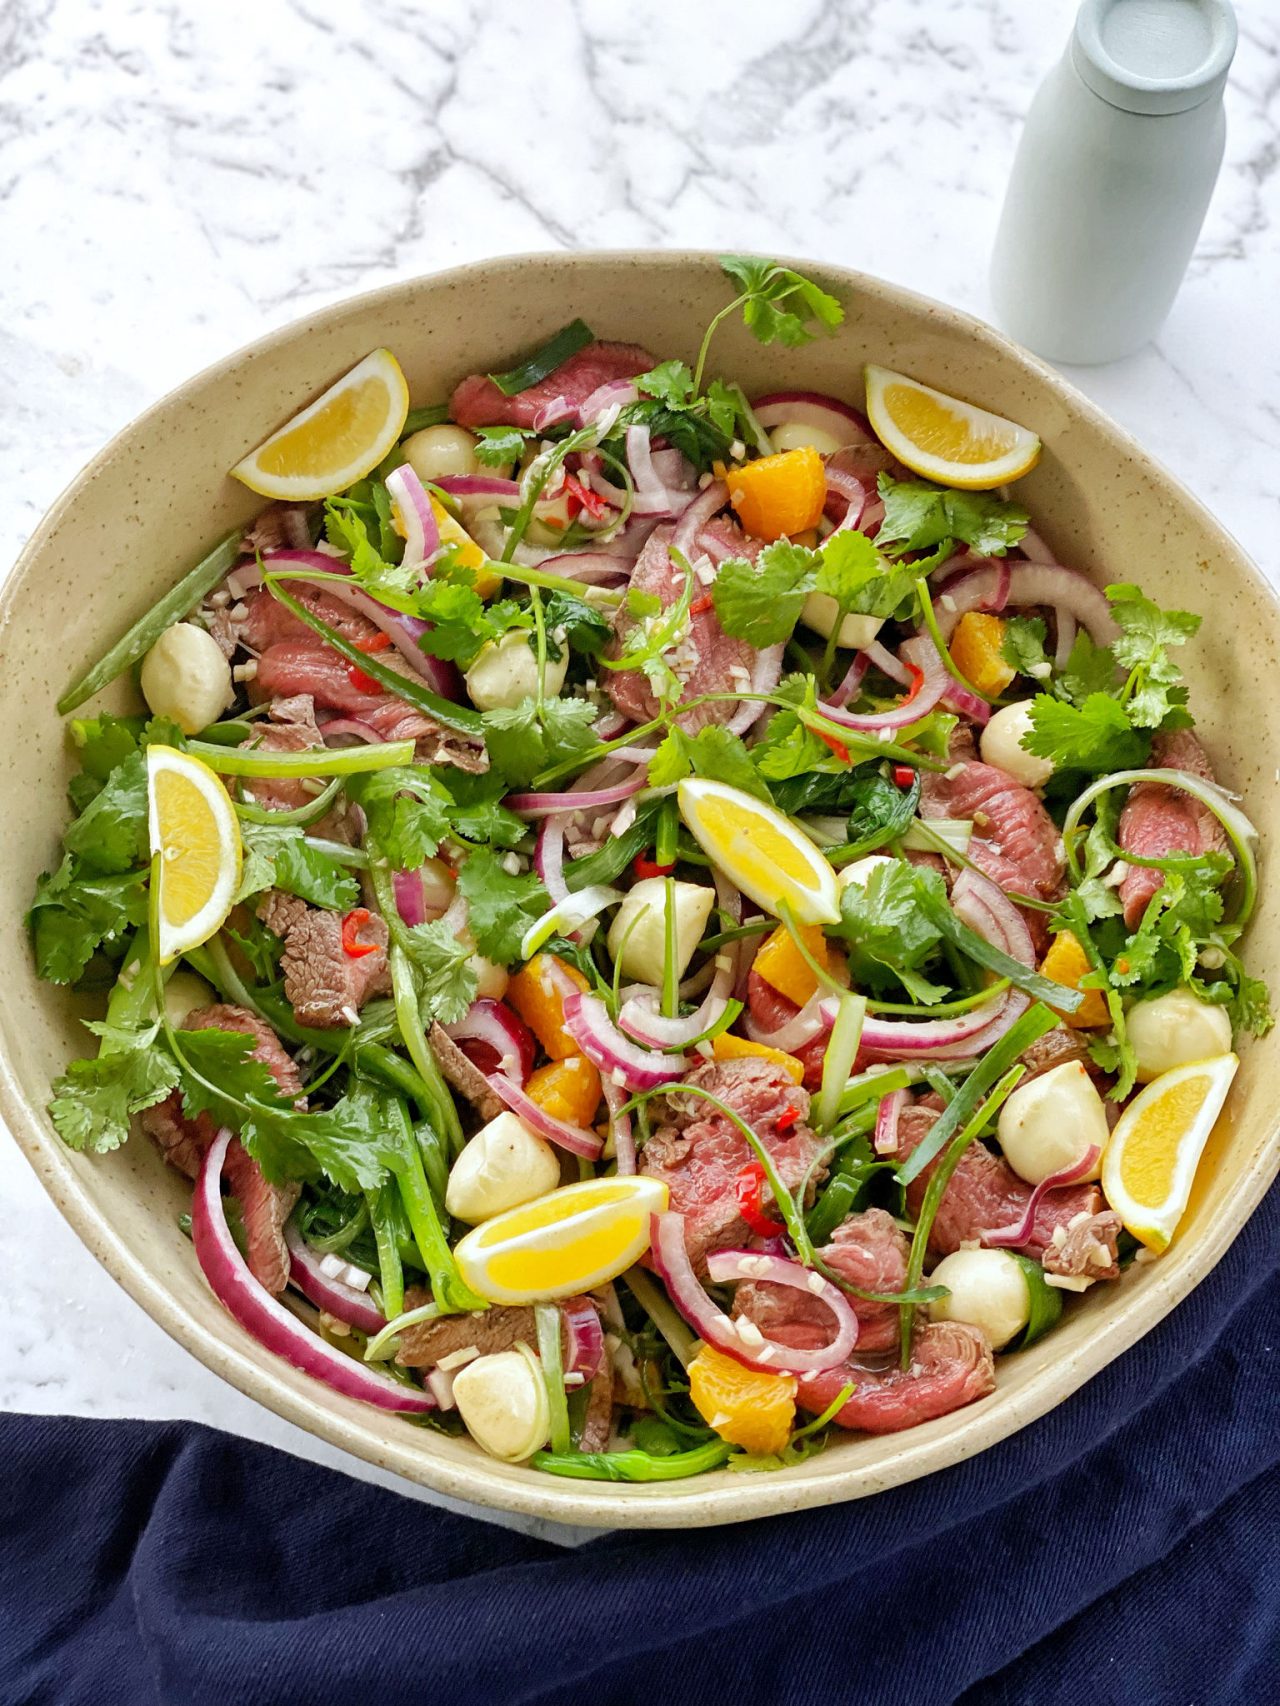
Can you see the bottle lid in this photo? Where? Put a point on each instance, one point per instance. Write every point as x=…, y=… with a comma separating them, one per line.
x=1154, y=56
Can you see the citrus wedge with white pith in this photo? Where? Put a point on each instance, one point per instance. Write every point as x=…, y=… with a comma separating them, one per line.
x=336, y=440
x=943, y=439
x=760, y=851
x=194, y=831
x=568, y=1241
x=1153, y=1153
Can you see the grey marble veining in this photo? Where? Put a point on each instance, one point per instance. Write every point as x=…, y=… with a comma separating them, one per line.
x=178, y=176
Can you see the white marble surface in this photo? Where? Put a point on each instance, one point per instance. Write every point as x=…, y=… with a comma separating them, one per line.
x=178, y=176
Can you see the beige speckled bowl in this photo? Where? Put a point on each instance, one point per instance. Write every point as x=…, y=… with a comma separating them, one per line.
x=156, y=497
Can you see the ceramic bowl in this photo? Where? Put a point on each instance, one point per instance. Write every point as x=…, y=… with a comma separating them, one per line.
x=153, y=501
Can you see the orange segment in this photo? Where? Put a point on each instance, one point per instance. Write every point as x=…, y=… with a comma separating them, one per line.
x=336, y=440
x=750, y=1409
x=567, y=1089
x=781, y=963
x=1066, y=963
x=975, y=651
x=779, y=495
x=726, y=1047
x=533, y=994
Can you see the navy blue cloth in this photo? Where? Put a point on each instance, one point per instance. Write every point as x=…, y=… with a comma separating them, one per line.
x=1123, y=1549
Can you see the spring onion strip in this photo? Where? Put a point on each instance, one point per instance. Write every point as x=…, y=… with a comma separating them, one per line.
x=935, y=634
x=1240, y=832
x=665, y=1317
x=339, y=851
x=740, y=933
x=376, y=1349
x=943, y=1009
x=178, y=602
x=298, y=816
x=547, y=1319
x=994, y=959
x=568, y=915
x=431, y=414
x=448, y=1288
x=334, y=1243
x=634, y=1465
x=390, y=1267
x=871, y=1086
x=544, y=361
x=999, y=1058
x=312, y=761
x=462, y=720
x=548, y=582
x=670, y=979
x=412, y=1034
x=941, y=1179
x=841, y=1052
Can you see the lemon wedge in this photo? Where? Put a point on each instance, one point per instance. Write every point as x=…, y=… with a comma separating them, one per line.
x=336, y=440
x=470, y=556
x=568, y=1241
x=194, y=831
x=944, y=439
x=1152, y=1156
x=762, y=852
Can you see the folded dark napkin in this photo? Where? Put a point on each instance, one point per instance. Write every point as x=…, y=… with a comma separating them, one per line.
x=1126, y=1548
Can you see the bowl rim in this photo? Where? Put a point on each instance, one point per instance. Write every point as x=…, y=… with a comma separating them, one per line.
x=924, y=1449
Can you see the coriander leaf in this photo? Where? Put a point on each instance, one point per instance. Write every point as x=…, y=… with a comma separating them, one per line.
x=282, y=858
x=1022, y=647
x=496, y=446
x=919, y=516
x=110, y=835
x=525, y=739
x=446, y=980
x=104, y=742
x=76, y=911
x=1090, y=669
x=407, y=812
x=713, y=752
x=93, y=1100
x=500, y=907
x=882, y=921
x=572, y=621
x=761, y=602
x=724, y=404
x=670, y=382
x=1154, y=694
x=347, y=530
x=671, y=761
x=779, y=303
x=476, y=811
x=1095, y=736
x=855, y=574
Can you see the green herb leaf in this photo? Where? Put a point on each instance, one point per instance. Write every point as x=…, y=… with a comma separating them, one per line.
x=919, y=516
x=1090, y=669
x=75, y=912
x=476, y=811
x=527, y=738
x=500, y=907
x=282, y=858
x=498, y=446
x=94, y=1100
x=761, y=602
x=780, y=304
x=445, y=978
x=1022, y=647
x=110, y=835
x=886, y=930
x=1154, y=689
x=1095, y=736
x=853, y=572
x=670, y=382
x=407, y=811
x=713, y=752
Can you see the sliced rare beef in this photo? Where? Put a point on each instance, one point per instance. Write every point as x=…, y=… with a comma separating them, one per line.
x=264, y=1207
x=324, y=984
x=1074, y=1233
x=869, y=1250
x=280, y=527
x=484, y=1332
x=477, y=401
x=1014, y=839
x=289, y=726
x=1059, y=1047
x=465, y=1076
x=951, y=1365
x=1157, y=821
x=597, y=1424
x=707, y=660
x=770, y=1009
x=701, y=1155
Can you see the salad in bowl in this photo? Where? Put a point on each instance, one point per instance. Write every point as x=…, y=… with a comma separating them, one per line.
x=661, y=924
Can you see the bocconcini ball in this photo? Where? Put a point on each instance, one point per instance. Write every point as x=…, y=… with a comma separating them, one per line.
x=502, y=1398
x=185, y=677
x=1173, y=1030
x=506, y=671
x=505, y=1164
x=1001, y=745
x=988, y=1289
x=1048, y=1124
x=438, y=452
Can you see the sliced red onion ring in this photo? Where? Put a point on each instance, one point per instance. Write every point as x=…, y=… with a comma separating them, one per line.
x=350, y=728
x=883, y=659
x=814, y=409
x=1067, y=631
x=694, y=517
x=593, y=568
x=415, y=514
x=548, y=856
x=1033, y=546
x=503, y=1031
x=609, y=725
x=552, y=412
x=267, y=1319
x=927, y=695
x=585, y=1353
x=1029, y=583
x=853, y=680
x=492, y=488
x=328, y=1291
x=411, y=901
x=613, y=394
x=651, y=496
x=541, y=805
x=1009, y=1237
x=742, y=1339
x=766, y=672
x=639, y=1019
x=852, y=490
x=887, y=1116
x=423, y=894
x=801, y=1028
x=575, y=1138
x=921, y=651
x=624, y=1143
x=587, y=1021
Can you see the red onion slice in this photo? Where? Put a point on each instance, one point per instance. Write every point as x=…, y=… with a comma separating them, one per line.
x=742, y=1339
x=586, y=1352
x=613, y=394
x=548, y=856
x=587, y=1021
x=848, y=688
x=344, y=1302
x=814, y=409
x=927, y=695
x=411, y=902
x=885, y=1141
x=593, y=568
x=921, y=651
x=883, y=659
x=350, y=728
x=800, y=1029
x=766, y=672
x=651, y=496
x=624, y=1143
x=502, y=1030
x=694, y=517
x=575, y=1138
x=540, y=805
x=1009, y=1237
x=263, y=1316
x=490, y=487
x=415, y=514
x=1029, y=583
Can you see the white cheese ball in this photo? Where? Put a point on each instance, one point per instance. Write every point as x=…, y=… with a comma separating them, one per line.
x=185, y=677
x=502, y=1398
x=819, y=613
x=506, y=671
x=988, y=1289
x=491, y=979
x=505, y=1164
x=795, y=435
x=183, y=994
x=440, y=451
x=1173, y=1030
x=638, y=935
x=1001, y=745
x=860, y=870
x=1048, y=1124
